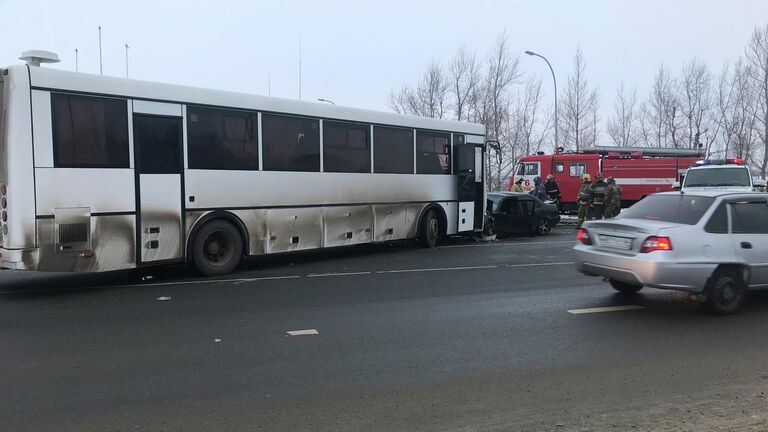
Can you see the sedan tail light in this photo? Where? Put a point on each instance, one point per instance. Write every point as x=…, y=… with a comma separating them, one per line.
x=583, y=237
x=654, y=243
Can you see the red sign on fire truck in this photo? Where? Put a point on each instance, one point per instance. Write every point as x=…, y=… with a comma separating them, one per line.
x=640, y=171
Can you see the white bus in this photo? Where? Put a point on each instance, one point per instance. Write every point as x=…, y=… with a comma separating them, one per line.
x=101, y=173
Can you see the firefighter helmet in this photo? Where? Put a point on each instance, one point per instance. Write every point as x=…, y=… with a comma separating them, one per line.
x=611, y=179
x=599, y=176
x=550, y=177
x=587, y=177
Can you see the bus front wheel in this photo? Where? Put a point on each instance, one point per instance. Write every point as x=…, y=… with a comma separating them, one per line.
x=217, y=248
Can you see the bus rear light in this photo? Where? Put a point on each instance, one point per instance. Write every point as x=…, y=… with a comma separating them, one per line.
x=583, y=237
x=654, y=243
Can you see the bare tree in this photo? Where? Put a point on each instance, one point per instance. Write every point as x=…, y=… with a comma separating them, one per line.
x=694, y=95
x=578, y=116
x=429, y=99
x=502, y=71
x=465, y=75
x=757, y=58
x=402, y=100
x=622, y=128
x=660, y=120
x=529, y=127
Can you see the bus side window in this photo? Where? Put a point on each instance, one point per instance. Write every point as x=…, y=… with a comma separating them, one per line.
x=558, y=168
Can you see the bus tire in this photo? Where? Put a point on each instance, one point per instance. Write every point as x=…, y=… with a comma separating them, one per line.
x=429, y=229
x=217, y=248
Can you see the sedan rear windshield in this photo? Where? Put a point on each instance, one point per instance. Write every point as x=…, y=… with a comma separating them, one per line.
x=681, y=209
x=736, y=176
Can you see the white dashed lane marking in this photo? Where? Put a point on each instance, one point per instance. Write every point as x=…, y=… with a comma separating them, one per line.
x=338, y=274
x=437, y=269
x=540, y=264
x=605, y=309
x=307, y=332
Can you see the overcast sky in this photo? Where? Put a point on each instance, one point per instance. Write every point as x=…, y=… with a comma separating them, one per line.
x=356, y=52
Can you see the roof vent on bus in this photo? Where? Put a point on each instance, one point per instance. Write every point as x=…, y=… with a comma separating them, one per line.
x=36, y=57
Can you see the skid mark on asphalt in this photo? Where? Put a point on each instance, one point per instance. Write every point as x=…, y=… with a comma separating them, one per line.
x=605, y=309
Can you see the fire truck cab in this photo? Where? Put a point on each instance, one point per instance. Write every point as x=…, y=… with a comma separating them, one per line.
x=639, y=171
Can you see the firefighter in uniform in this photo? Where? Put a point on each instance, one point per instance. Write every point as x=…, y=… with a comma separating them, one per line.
x=612, y=199
x=553, y=189
x=599, y=189
x=585, y=199
x=518, y=187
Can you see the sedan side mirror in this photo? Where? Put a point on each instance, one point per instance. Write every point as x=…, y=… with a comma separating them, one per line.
x=676, y=186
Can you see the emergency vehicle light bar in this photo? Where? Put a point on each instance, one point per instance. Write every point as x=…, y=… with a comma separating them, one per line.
x=729, y=161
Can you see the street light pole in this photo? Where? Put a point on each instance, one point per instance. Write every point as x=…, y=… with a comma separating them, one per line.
x=554, y=80
x=326, y=100
x=101, y=69
x=77, y=69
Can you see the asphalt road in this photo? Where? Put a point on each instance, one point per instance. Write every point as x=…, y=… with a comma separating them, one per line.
x=469, y=336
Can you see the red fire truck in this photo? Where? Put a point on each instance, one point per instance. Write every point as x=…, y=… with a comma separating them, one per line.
x=640, y=171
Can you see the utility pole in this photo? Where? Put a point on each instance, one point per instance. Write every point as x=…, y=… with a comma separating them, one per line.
x=101, y=67
x=76, y=66
x=299, y=67
x=126, y=60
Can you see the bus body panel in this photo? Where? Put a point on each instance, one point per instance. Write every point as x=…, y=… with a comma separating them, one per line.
x=18, y=161
x=104, y=190
x=112, y=247
x=237, y=189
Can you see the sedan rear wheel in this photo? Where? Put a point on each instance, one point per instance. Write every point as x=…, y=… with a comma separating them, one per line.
x=726, y=292
x=624, y=287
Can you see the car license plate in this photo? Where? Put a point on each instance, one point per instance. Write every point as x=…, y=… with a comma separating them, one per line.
x=616, y=242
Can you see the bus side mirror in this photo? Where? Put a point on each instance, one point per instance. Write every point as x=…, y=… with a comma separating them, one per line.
x=676, y=186
x=496, y=146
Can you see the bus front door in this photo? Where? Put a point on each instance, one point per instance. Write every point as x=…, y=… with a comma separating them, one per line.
x=471, y=196
x=158, y=162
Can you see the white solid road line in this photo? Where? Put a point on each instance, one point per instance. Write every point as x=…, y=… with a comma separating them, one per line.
x=238, y=280
x=507, y=244
x=307, y=332
x=437, y=269
x=605, y=309
x=338, y=274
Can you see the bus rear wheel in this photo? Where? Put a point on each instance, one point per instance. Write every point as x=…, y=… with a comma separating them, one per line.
x=429, y=229
x=217, y=248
